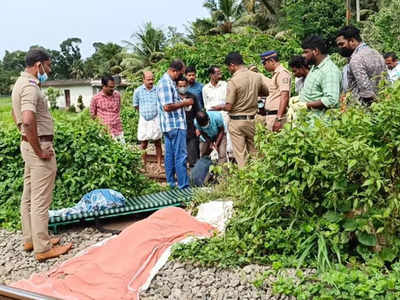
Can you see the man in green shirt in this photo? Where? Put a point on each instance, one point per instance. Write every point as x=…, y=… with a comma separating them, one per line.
x=322, y=86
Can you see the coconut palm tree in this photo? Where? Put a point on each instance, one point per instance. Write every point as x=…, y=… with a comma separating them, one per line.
x=146, y=48
x=225, y=13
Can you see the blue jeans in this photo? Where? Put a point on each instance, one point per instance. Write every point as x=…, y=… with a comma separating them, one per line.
x=175, y=158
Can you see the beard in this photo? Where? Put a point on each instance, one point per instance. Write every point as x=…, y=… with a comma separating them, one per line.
x=312, y=61
x=346, y=52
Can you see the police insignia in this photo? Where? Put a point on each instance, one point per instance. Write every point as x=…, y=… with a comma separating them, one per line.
x=285, y=80
x=33, y=82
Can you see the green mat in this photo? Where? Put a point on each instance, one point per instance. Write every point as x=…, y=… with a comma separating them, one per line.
x=133, y=206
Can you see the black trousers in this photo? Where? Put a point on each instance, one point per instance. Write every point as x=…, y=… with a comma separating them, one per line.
x=193, y=150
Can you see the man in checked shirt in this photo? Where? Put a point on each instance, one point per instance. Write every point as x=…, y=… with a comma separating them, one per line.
x=106, y=106
x=366, y=65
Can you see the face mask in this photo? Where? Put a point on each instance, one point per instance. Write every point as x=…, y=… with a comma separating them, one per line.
x=182, y=90
x=42, y=77
x=345, y=52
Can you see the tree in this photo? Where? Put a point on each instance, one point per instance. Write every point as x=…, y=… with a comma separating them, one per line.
x=70, y=59
x=382, y=29
x=147, y=48
x=106, y=59
x=224, y=13
x=306, y=17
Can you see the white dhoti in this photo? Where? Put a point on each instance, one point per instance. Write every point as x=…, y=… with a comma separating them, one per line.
x=149, y=130
x=229, y=147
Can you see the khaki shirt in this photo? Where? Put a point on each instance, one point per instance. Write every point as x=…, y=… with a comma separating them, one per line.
x=243, y=90
x=280, y=82
x=27, y=95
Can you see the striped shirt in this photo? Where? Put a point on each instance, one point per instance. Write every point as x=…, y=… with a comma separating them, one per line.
x=323, y=82
x=168, y=94
x=147, y=102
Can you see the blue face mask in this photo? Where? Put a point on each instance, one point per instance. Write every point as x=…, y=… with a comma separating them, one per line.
x=42, y=77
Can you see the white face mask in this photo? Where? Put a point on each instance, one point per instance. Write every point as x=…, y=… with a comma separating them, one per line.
x=182, y=90
x=42, y=77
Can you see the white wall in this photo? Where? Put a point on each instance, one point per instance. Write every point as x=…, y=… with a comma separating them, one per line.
x=75, y=91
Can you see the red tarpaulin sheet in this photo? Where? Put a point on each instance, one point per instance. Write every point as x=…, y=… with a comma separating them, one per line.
x=120, y=266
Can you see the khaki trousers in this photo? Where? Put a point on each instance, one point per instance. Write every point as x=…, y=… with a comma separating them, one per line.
x=39, y=177
x=205, y=147
x=242, y=134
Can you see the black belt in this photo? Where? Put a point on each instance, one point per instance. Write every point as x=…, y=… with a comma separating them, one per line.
x=271, y=112
x=242, y=117
x=43, y=138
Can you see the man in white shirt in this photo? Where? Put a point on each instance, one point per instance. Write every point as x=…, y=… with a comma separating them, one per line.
x=214, y=94
x=393, y=66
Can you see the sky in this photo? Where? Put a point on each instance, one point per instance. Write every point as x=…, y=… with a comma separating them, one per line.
x=49, y=22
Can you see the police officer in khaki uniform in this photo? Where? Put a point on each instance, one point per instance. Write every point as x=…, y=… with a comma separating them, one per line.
x=279, y=91
x=31, y=115
x=241, y=103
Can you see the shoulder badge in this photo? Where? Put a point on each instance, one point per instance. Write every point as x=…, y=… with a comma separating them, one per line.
x=33, y=82
x=285, y=80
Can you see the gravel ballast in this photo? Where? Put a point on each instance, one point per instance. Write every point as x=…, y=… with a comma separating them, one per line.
x=178, y=280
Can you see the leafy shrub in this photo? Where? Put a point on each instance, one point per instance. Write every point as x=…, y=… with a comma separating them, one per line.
x=317, y=194
x=212, y=50
x=130, y=118
x=87, y=159
x=52, y=95
x=306, y=17
x=382, y=30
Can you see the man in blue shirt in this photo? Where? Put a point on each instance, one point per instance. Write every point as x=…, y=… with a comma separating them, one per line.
x=146, y=102
x=173, y=125
x=195, y=88
x=212, y=131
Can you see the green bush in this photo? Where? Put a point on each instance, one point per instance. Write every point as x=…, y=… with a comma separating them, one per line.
x=130, y=118
x=212, y=50
x=87, y=159
x=306, y=17
x=317, y=195
x=382, y=31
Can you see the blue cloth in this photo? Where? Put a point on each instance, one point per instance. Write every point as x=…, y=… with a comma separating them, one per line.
x=147, y=102
x=168, y=94
x=216, y=122
x=94, y=201
x=175, y=158
x=197, y=90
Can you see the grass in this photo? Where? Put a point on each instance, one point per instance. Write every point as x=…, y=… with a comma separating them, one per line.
x=5, y=112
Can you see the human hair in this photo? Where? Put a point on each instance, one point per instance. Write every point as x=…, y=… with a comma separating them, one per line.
x=146, y=72
x=274, y=58
x=349, y=32
x=202, y=118
x=177, y=65
x=181, y=78
x=314, y=42
x=390, y=54
x=190, y=69
x=298, y=61
x=211, y=70
x=34, y=55
x=105, y=79
x=234, y=58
